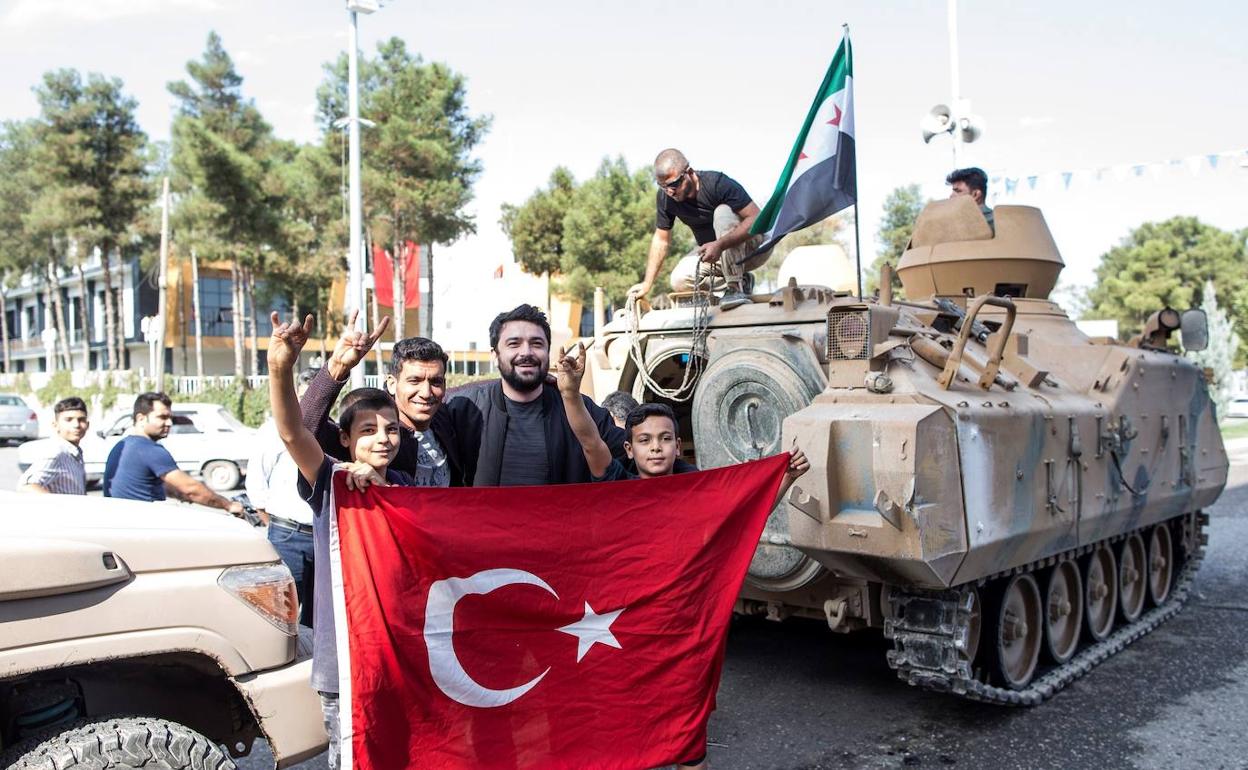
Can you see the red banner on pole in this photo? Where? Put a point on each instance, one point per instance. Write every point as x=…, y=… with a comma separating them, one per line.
x=383, y=275
x=578, y=626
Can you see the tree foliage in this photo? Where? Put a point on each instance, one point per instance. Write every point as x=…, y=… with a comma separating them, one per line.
x=901, y=208
x=1223, y=346
x=1167, y=263
x=603, y=236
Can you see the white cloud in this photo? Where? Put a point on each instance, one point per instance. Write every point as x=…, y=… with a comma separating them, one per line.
x=31, y=13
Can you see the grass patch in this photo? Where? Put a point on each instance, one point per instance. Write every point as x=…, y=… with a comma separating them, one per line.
x=1236, y=428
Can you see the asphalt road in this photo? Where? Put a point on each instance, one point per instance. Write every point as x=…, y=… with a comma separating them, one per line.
x=796, y=697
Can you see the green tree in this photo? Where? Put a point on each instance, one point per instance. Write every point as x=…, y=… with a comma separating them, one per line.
x=1168, y=263
x=90, y=156
x=417, y=159
x=607, y=231
x=901, y=208
x=535, y=227
x=19, y=188
x=223, y=151
x=1223, y=345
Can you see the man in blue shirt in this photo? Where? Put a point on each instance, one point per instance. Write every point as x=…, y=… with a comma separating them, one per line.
x=138, y=468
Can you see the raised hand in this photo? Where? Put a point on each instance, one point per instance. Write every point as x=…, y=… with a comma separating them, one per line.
x=798, y=464
x=287, y=341
x=353, y=346
x=571, y=370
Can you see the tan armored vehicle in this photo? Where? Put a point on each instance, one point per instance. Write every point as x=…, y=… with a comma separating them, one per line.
x=145, y=635
x=1008, y=499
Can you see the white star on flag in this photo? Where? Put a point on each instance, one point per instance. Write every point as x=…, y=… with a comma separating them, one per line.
x=593, y=629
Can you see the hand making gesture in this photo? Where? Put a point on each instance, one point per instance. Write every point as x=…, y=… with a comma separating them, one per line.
x=798, y=464
x=287, y=341
x=571, y=370
x=352, y=347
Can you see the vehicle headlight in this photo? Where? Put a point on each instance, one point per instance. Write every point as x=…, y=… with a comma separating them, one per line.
x=268, y=589
x=849, y=334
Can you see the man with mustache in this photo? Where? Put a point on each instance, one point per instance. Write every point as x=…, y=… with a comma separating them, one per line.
x=417, y=380
x=513, y=431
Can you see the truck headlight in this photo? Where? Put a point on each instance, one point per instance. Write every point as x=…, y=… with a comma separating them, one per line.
x=268, y=589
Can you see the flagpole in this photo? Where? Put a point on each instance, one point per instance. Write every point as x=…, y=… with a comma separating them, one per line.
x=857, y=238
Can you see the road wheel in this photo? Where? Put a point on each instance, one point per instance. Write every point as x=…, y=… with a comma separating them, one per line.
x=1100, y=593
x=221, y=475
x=1017, y=631
x=1132, y=578
x=1063, y=611
x=122, y=743
x=975, y=626
x=1160, y=564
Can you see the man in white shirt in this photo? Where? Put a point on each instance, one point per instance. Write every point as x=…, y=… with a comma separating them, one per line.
x=272, y=488
x=59, y=470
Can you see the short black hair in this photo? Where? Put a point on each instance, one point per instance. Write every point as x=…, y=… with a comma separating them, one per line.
x=520, y=313
x=619, y=403
x=642, y=412
x=416, y=349
x=145, y=402
x=974, y=177
x=71, y=404
x=361, y=399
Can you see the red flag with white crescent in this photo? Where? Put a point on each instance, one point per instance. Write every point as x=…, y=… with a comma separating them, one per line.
x=559, y=627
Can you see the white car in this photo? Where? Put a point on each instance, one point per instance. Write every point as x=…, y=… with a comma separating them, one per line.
x=1238, y=407
x=18, y=422
x=205, y=441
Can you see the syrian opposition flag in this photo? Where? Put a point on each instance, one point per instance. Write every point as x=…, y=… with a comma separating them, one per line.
x=819, y=179
x=573, y=626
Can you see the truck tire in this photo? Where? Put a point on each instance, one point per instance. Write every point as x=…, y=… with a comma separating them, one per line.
x=123, y=743
x=221, y=475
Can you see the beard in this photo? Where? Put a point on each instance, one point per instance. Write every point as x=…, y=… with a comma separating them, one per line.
x=523, y=382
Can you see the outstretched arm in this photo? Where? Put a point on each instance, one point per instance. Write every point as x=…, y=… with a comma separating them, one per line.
x=284, y=346
x=571, y=371
x=323, y=391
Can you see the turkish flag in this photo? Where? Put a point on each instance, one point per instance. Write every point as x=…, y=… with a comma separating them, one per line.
x=571, y=626
x=383, y=275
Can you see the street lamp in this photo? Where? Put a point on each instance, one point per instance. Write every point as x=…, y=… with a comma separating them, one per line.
x=355, y=263
x=962, y=126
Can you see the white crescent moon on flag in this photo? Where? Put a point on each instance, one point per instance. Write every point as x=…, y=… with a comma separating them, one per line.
x=448, y=674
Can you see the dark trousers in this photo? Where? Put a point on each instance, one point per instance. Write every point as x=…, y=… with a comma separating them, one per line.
x=295, y=548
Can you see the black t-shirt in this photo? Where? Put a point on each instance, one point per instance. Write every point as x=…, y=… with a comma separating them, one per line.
x=699, y=214
x=524, y=448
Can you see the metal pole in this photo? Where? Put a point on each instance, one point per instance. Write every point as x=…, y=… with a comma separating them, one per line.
x=954, y=77
x=199, y=324
x=162, y=313
x=857, y=241
x=355, y=282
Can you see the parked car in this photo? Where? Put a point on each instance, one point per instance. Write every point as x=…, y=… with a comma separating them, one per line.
x=139, y=635
x=18, y=422
x=205, y=441
x=1238, y=407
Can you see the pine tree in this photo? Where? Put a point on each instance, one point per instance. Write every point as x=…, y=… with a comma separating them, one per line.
x=1223, y=345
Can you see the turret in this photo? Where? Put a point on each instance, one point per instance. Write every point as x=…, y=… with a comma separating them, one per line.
x=954, y=253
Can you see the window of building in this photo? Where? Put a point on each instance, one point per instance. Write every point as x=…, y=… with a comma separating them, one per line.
x=216, y=303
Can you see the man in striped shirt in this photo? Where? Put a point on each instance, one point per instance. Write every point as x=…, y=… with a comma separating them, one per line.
x=60, y=471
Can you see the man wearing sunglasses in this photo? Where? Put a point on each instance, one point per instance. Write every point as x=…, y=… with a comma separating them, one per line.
x=719, y=212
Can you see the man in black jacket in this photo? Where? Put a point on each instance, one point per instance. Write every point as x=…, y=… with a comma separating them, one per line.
x=513, y=431
x=417, y=380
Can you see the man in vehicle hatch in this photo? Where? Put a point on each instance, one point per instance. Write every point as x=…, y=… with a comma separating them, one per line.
x=720, y=213
x=973, y=182
x=138, y=468
x=417, y=380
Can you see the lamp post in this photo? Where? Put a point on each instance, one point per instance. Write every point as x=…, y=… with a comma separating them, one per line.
x=355, y=262
x=962, y=126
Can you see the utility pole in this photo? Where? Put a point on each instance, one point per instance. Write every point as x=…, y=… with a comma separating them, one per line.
x=199, y=324
x=955, y=75
x=355, y=300
x=162, y=290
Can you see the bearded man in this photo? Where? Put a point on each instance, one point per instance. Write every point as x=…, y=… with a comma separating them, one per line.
x=513, y=431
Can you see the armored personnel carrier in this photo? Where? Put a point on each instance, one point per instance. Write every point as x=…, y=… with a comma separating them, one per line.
x=1010, y=500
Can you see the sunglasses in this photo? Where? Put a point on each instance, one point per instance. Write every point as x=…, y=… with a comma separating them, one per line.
x=675, y=183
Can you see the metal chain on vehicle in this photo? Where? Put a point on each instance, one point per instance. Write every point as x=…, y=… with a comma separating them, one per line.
x=931, y=630
x=697, y=342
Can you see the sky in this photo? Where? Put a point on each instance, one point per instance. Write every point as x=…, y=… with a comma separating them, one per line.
x=1061, y=86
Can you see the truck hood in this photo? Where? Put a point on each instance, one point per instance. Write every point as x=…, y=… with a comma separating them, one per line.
x=146, y=537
